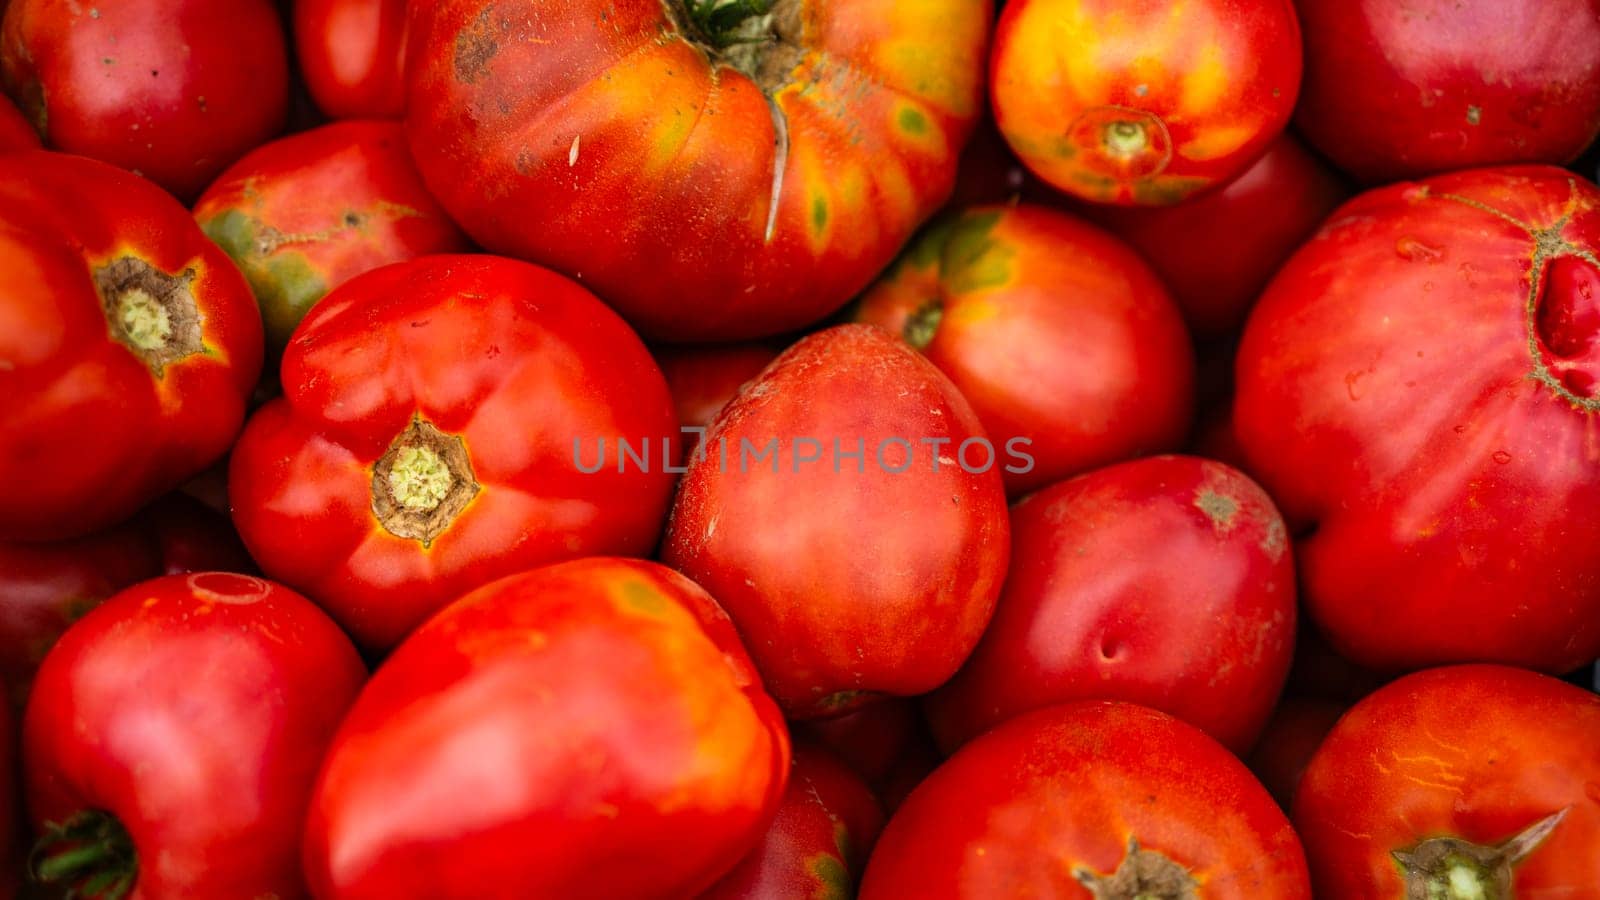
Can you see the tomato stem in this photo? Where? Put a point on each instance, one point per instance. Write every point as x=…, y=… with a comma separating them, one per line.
x=91, y=852
x=723, y=23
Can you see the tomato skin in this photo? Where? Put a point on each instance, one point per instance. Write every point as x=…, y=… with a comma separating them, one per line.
x=1201, y=87
x=1054, y=330
x=1291, y=738
x=352, y=54
x=1020, y=810
x=1438, y=446
x=1399, y=91
x=89, y=432
x=15, y=132
x=195, y=709
x=703, y=379
x=510, y=361
x=871, y=739
x=830, y=617
x=1477, y=752
x=174, y=91
x=1166, y=582
x=581, y=133
x=680, y=776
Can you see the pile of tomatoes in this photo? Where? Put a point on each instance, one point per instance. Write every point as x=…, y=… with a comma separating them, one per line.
x=1103, y=449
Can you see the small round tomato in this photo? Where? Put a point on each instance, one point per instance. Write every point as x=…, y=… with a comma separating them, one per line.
x=306, y=213
x=15, y=132
x=352, y=54
x=847, y=510
x=1289, y=741
x=173, y=737
x=129, y=344
x=440, y=426
x=1060, y=336
x=174, y=90
x=589, y=729
x=1101, y=800
x=1145, y=102
x=1398, y=90
x=1462, y=782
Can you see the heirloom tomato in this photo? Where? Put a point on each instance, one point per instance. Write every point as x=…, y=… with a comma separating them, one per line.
x=1291, y=738
x=15, y=132
x=174, y=90
x=1143, y=101
x=352, y=54
x=588, y=729
x=1099, y=801
x=1418, y=385
x=128, y=346
x=436, y=430
x=174, y=735
x=848, y=513
x=1458, y=783
x=714, y=170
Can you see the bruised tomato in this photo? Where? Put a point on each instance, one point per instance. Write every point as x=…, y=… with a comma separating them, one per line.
x=1418, y=385
x=307, y=213
x=128, y=346
x=1143, y=102
x=847, y=510
x=1462, y=782
x=1064, y=341
x=1099, y=801
x=714, y=170
x=589, y=729
x=352, y=54
x=174, y=90
x=15, y=132
x=434, y=420
x=1166, y=582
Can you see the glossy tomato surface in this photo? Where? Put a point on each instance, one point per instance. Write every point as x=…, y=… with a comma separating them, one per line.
x=1090, y=801
x=831, y=516
x=589, y=729
x=1143, y=102
x=1397, y=90
x=178, y=728
x=712, y=177
x=440, y=428
x=1477, y=778
x=352, y=54
x=174, y=90
x=15, y=132
x=1419, y=384
x=128, y=346
x=1055, y=331
x=1166, y=582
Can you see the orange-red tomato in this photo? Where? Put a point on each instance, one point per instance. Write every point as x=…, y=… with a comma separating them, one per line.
x=352, y=54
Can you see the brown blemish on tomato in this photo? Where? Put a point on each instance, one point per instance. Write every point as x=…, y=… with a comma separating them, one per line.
x=422, y=483
x=475, y=47
x=1219, y=508
x=151, y=312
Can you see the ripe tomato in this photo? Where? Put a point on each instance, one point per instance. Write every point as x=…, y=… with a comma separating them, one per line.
x=174, y=734
x=1292, y=736
x=437, y=421
x=1143, y=102
x=171, y=89
x=352, y=54
x=1463, y=782
x=870, y=739
x=307, y=213
x=702, y=381
x=1400, y=90
x=1100, y=800
x=128, y=346
x=848, y=426
x=589, y=729
x=1055, y=331
x=818, y=843
x=713, y=173
x=15, y=132
x=1419, y=382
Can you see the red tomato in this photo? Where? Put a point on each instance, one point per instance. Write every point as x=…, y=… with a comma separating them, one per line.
x=1396, y=90
x=1107, y=801
x=437, y=422
x=702, y=381
x=1166, y=582
x=128, y=346
x=715, y=174
x=352, y=54
x=15, y=132
x=305, y=214
x=818, y=843
x=1419, y=382
x=171, y=89
x=174, y=735
x=1056, y=332
x=832, y=514
x=870, y=739
x=1293, y=735
x=1463, y=782
x=589, y=729
x=1143, y=102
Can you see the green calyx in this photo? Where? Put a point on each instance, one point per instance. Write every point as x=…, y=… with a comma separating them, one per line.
x=1448, y=868
x=721, y=24
x=90, y=855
